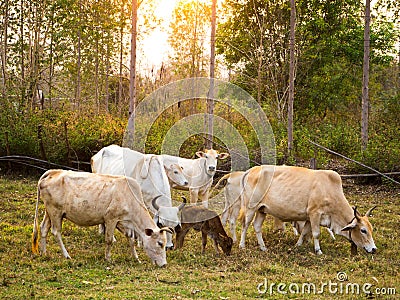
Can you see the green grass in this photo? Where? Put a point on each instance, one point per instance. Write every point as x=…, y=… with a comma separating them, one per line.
x=190, y=274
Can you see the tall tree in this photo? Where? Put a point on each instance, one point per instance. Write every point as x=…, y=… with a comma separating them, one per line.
x=132, y=72
x=291, y=73
x=210, y=99
x=365, y=81
x=189, y=27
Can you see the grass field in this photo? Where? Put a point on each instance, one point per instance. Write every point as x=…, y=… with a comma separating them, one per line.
x=246, y=274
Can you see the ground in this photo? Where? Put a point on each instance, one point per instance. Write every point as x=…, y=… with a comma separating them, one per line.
x=283, y=271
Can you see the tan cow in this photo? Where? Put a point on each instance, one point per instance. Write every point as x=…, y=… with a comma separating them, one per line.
x=88, y=199
x=232, y=191
x=300, y=194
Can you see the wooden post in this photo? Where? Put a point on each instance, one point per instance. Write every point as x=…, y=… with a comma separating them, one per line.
x=8, y=151
x=67, y=143
x=41, y=146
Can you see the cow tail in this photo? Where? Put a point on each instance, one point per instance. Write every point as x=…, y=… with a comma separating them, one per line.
x=243, y=205
x=35, y=244
x=223, y=181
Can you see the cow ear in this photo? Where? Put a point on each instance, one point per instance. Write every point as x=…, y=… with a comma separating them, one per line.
x=148, y=231
x=200, y=154
x=223, y=155
x=350, y=226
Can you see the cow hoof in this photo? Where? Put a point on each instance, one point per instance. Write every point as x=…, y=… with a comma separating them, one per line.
x=263, y=248
x=318, y=252
x=242, y=246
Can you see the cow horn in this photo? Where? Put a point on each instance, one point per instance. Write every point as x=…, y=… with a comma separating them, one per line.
x=166, y=229
x=356, y=214
x=368, y=213
x=182, y=205
x=153, y=202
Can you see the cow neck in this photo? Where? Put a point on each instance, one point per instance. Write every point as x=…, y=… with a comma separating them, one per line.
x=342, y=221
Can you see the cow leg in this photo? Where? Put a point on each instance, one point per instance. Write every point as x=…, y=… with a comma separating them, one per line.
x=203, y=242
x=226, y=213
x=56, y=225
x=278, y=225
x=257, y=224
x=216, y=246
x=44, y=230
x=180, y=236
x=235, y=210
x=194, y=195
x=304, y=232
x=109, y=236
x=203, y=197
x=315, y=221
x=132, y=242
x=245, y=226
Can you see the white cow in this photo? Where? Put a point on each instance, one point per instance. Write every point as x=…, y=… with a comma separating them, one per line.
x=300, y=194
x=88, y=199
x=151, y=173
x=199, y=173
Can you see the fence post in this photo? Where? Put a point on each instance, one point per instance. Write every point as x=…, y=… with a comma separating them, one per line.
x=8, y=148
x=67, y=144
x=41, y=146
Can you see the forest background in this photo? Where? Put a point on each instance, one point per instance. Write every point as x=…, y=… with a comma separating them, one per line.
x=76, y=52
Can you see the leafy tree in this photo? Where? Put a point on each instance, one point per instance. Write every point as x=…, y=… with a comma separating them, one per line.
x=189, y=34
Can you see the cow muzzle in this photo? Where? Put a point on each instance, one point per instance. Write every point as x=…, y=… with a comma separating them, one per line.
x=372, y=250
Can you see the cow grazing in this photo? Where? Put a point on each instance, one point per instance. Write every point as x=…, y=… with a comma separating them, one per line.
x=88, y=199
x=232, y=190
x=300, y=194
x=199, y=172
x=208, y=222
x=152, y=174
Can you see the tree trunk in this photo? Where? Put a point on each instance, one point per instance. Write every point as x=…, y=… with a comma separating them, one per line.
x=210, y=99
x=291, y=74
x=365, y=94
x=78, y=63
x=4, y=50
x=132, y=75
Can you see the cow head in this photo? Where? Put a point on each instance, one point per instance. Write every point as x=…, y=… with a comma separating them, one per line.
x=154, y=242
x=211, y=156
x=225, y=243
x=175, y=175
x=167, y=216
x=360, y=231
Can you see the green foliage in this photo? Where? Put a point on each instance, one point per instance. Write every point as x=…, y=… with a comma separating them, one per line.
x=83, y=134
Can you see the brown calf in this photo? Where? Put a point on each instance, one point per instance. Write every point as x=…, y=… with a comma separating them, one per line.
x=208, y=222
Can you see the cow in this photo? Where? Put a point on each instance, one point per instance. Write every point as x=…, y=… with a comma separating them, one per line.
x=88, y=199
x=300, y=194
x=199, y=172
x=208, y=222
x=151, y=173
x=232, y=190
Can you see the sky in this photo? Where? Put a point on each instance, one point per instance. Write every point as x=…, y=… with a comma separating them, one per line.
x=155, y=46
